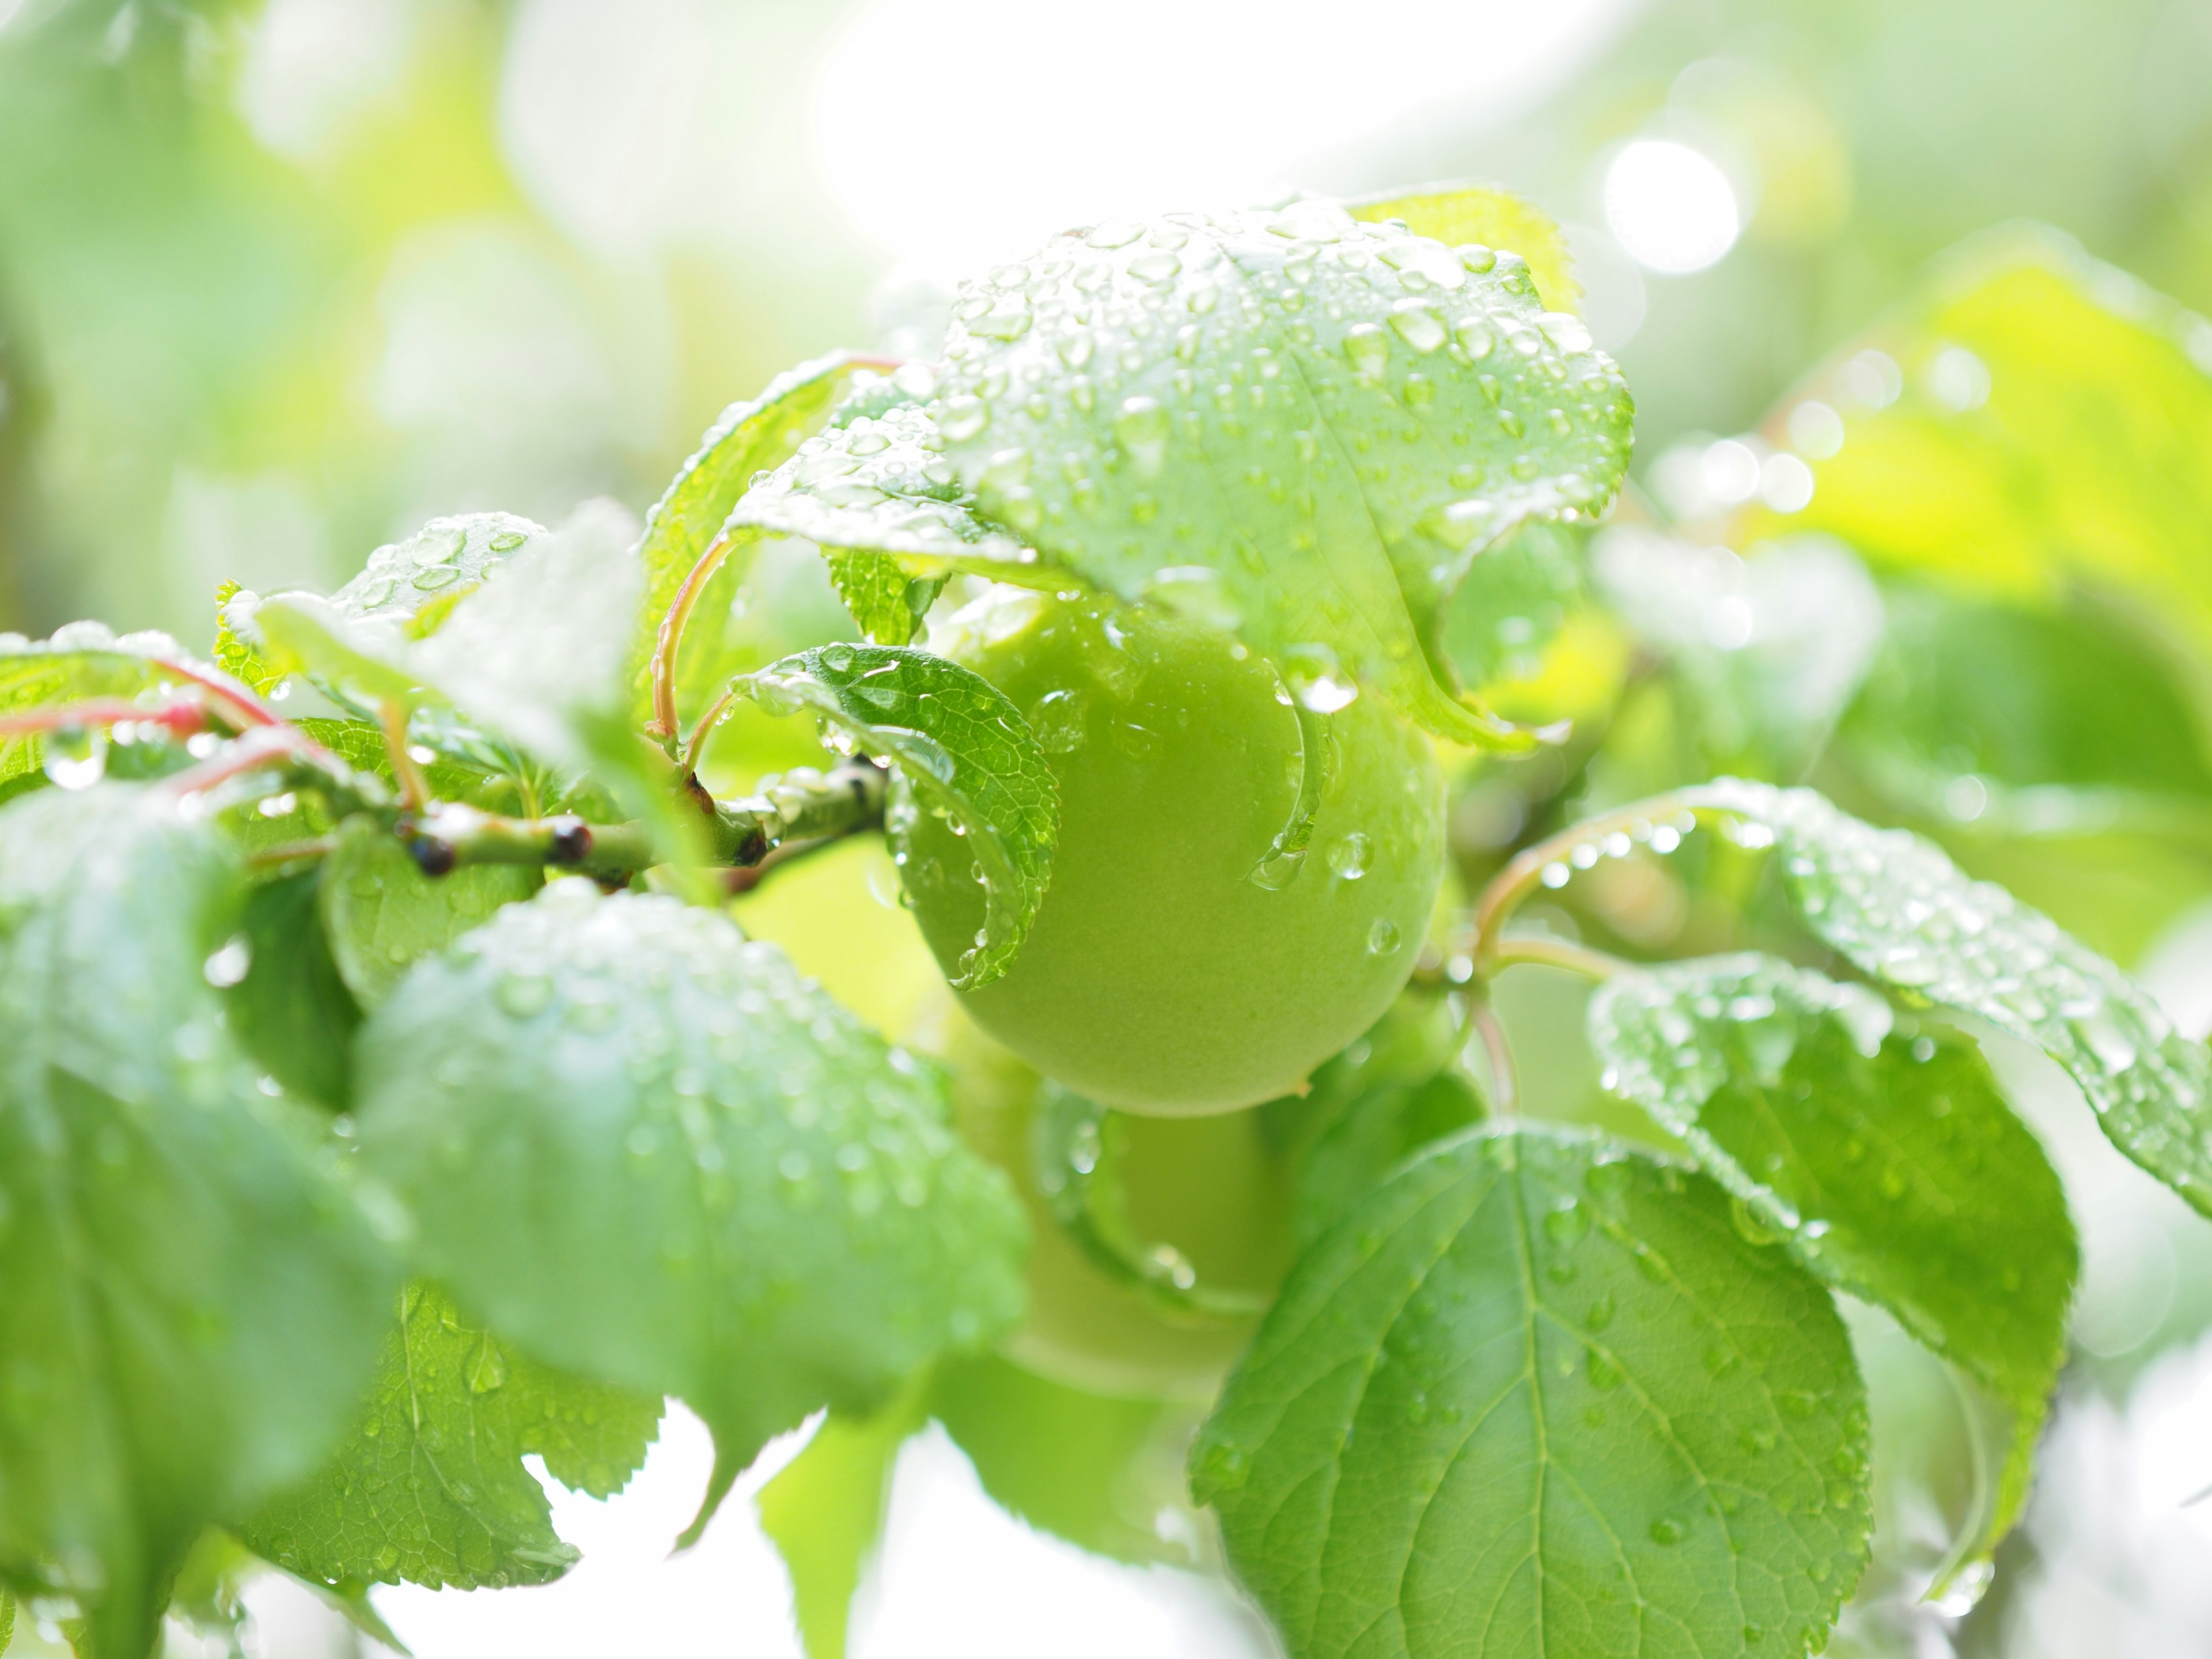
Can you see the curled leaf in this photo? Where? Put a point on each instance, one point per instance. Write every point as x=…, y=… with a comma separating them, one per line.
x=1319, y=422
x=963, y=749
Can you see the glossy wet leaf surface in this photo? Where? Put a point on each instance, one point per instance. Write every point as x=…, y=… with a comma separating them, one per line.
x=886, y=602
x=1538, y=1396
x=1295, y=423
x=965, y=751
x=167, y=1365
x=1879, y=1152
x=84, y=660
x=292, y=1010
x=1457, y=213
x=1901, y=911
x=647, y=1151
x=429, y=1486
x=884, y=484
x=749, y=437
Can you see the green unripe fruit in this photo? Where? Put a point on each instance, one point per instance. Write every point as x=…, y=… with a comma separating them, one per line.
x=1159, y=977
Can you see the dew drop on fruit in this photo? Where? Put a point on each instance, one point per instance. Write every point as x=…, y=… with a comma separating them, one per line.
x=1348, y=858
x=1382, y=937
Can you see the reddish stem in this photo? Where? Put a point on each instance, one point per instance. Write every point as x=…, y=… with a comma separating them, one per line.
x=181, y=719
x=671, y=637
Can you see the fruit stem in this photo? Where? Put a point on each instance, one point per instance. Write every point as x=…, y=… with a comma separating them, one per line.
x=670, y=640
x=1660, y=821
x=414, y=788
x=1504, y=1078
x=1547, y=951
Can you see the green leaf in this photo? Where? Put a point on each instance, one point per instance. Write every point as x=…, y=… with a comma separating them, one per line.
x=1538, y=1394
x=887, y=604
x=1303, y=426
x=381, y=914
x=2036, y=418
x=235, y=652
x=86, y=659
x=292, y=1012
x=650, y=1153
x=1879, y=1152
x=824, y=1512
x=536, y=651
x=1458, y=212
x=1902, y=912
x=539, y=652
x=418, y=580
x=430, y=1488
x=962, y=746
x=748, y=438
x=2067, y=720
x=193, y=1301
x=883, y=485
x=1367, y=1110
x=1511, y=604
x=1104, y=1474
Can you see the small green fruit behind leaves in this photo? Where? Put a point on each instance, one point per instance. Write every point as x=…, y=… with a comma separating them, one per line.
x=1539, y=1389
x=962, y=746
x=749, y=438
x=1881, y=1154
x=1292, y=422
x=650, y=1153
x=1904, y=914
x=193, y=1302
x=430, y=1488
x=1459, y=213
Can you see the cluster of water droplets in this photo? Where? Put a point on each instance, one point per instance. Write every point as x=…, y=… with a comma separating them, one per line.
x=1899, y=909
x=754, y=1103
x=883, y=484
x=1232, y=392
x=401, y=577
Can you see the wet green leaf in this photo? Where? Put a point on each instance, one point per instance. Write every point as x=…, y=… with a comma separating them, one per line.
x=887, y=603
x=650, y=1153
x=429, y=1486
x=1458, y=212
x=748, y=438
x=1102, y=1473
x=965, y=751
x=1902, y=912
x=1511, y=604
x=535, y=652
x=883, y=485
x=1290, y=422
x=84, y=660
x=381, y=914
x=1538, y=1394
x=194, y=1301
x=2035, y=419
x=1879, y=1153
x=2065, y=720
x=292, y=1012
